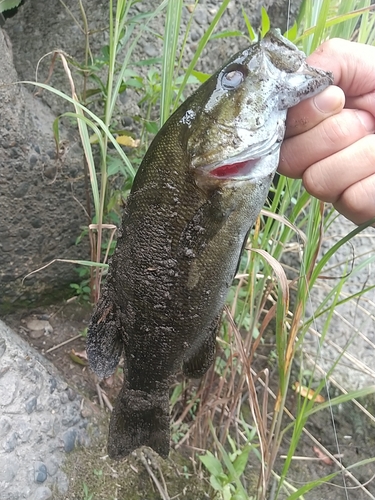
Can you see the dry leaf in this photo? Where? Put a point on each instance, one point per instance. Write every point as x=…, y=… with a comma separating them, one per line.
x=307, y=393
x=79, y=357
x=93, y=139
x=126, y=140
x=109, y=381
x=322, y=456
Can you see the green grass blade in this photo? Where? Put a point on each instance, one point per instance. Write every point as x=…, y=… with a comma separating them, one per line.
x=201, y=45
x=308, y=487
x=172, y=28
x=250, y=30
x=343, y=398
x=319, y=267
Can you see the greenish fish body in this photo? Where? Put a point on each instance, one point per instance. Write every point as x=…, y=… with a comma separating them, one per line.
x=195, y=197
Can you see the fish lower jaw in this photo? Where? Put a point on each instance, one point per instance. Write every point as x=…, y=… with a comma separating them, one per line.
x=252, y=170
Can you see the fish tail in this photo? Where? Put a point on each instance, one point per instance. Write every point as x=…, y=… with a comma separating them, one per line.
x=139, y=419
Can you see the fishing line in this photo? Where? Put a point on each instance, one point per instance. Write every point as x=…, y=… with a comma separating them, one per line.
x=314, y=322
x=319, y=357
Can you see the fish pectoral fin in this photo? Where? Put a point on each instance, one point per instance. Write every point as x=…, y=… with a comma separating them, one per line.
x=204, y=226
x=139, y=419
x=104, y=344
x=196, y=364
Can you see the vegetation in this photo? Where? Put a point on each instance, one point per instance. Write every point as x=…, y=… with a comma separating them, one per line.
x=9, y=4
x=241, y=411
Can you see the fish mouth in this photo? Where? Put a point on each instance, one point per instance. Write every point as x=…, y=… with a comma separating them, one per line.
x=255, y=162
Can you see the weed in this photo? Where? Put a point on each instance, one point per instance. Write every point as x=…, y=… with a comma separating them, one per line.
x=9, y=4
x=86, y=494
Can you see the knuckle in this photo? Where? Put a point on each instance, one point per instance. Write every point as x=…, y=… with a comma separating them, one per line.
x=367, y=152
x=336, y=131
x=315, y=183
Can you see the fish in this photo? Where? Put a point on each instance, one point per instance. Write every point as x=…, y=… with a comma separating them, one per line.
x=195, y=197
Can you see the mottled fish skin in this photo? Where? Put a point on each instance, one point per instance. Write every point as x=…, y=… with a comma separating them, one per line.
x=194, y=199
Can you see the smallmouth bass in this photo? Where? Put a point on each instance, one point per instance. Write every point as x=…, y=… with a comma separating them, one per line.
x=196, y=195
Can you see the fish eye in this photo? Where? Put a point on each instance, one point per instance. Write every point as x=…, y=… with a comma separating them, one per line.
x=233, y=76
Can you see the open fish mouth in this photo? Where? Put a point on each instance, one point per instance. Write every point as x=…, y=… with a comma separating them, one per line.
x=255, y=162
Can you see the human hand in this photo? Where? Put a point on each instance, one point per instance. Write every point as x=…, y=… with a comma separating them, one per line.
x=330, y=141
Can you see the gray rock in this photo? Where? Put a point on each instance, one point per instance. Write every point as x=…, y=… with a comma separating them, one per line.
x=52, y=464
x=5, y=426
x=24, y=431
x=40, y=472
x=3, y=347
x=31, y=404
x=69, y=439
x=34, y=206
x=71, y=394
x=42, y=493
x=62, y=482
x=64, y=397
x=10, y=443
x=8, y=386
x=33, y=438
x=70, y=416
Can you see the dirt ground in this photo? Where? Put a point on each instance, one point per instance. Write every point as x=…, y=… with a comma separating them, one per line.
x=344, y=430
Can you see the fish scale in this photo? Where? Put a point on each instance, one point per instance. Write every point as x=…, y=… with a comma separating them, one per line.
x=196, y=195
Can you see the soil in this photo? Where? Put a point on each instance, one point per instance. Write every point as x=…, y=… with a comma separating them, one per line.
x=342, y=429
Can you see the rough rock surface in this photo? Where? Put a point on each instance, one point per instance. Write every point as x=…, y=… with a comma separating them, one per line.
x=40, y=217
x=40, y=421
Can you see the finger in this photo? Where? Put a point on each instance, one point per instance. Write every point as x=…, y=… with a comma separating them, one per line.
x=330, y=177
x=352, y=64
x=309, y=113
x=357, y=202
x=330, y=136
x=366, y=102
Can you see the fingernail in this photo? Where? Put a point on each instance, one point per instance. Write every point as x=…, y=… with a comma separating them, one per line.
x=329, y=100
x=366, y=119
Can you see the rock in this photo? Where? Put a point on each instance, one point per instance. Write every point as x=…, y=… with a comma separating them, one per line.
x=69, y=439
x=52, y=464
x=71, y=394
x=86, y=411
x=38, y=327
x=62, y=482
x=64, y=397
x=30, y=405
x=42, y=493
x=3, y=347
x=40, y=472
x=8, y=387
x=24, y=431
x=10, y=443
x=33, y=439
x=70, y=415
x=5, y=426
x=34, y=207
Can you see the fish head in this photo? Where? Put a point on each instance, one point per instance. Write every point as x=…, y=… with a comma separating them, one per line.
x=239, y=121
